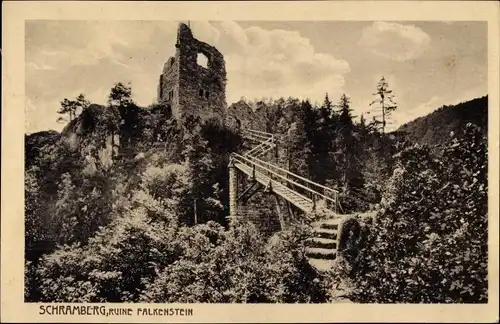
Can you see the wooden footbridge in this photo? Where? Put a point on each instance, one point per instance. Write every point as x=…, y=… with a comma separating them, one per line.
x=306, y=195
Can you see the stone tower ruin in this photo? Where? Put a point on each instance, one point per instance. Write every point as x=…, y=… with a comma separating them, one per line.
x=189, y=88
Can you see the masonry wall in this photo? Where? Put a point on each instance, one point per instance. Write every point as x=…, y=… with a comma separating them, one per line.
x=261, y=211
x=168, y=85
x=189, y=88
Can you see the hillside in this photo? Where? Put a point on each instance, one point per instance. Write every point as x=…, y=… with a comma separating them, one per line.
x=102, y=196
x=436, y=127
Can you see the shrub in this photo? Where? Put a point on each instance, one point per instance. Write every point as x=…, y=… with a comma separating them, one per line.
x=429, y=242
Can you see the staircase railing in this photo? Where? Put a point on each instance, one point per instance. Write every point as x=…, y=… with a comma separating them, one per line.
x=300, y=185
x=269, y=143
x=260, y=136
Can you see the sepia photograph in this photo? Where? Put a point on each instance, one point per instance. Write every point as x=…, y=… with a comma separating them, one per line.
x=256, y=162
x=175, y=162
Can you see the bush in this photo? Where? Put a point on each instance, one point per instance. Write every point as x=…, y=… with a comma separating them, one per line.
x=238, y=266
x=429, y=242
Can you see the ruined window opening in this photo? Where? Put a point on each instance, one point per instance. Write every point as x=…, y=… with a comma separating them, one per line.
x=171, y=94
x=201, y=93
x=206, y=94
x=202, y=60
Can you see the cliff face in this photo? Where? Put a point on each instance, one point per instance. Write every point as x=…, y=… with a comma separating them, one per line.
x=241, y=115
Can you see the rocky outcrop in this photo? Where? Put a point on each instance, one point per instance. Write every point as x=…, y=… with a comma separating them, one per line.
x=241, y=115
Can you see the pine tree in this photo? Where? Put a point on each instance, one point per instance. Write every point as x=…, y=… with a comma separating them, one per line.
x=120, y=95
x=73, y=107
x=125, y=113
x=345, y=113
x=82, y=102
x=298, y=146
x=384, y=103
x=348, y=152
x=362, y=121
x=327, y=104
x=67, y=107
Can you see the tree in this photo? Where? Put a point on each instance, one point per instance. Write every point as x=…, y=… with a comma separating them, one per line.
x=384, y=102
x=72, y=107
x=82, y=102
x=362, y=121
x=429, y=241
x=120, y=95
x=347, y=154
x=327, y=104
x=125, y=114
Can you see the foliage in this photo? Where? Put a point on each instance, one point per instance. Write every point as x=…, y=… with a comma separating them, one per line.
x=92, y=215
x=238, y=266
x=434, y=129
x=73, y=107
x=203, y=263
x=428, y=242
x=385, y=105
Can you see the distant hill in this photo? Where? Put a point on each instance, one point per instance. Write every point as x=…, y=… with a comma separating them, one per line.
x=436, y=127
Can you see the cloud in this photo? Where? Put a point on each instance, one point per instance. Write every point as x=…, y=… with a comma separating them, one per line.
x=65, y=58
x=395, y=41
x=276, y=63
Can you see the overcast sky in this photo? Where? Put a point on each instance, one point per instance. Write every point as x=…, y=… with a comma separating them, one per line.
x=427, y=64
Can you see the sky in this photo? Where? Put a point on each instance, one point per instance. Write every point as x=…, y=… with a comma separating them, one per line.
x=427, y=64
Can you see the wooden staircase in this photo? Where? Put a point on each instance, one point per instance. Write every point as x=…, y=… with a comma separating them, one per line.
x=306, y=195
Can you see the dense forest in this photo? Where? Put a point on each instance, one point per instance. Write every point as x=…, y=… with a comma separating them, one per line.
x=128, y=205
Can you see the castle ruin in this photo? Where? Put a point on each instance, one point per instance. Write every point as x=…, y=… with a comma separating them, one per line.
x=188, y=86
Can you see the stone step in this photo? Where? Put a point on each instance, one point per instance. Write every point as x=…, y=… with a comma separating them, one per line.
x=319, y=253
x=325, y=233
x=321, y=264
x=332, y=226
x=321, y=243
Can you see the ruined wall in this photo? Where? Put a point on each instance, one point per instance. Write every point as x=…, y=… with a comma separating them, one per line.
x=191, y=89
x=168, y=85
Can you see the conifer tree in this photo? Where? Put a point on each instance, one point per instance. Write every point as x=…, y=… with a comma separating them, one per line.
x=327, y=104
x=125, y=113
x=348, y=151
x=384, y=104
x=72, y=107
x=82, y=102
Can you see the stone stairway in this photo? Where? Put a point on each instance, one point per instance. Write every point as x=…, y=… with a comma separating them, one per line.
x=322, y=247
x=267, y=164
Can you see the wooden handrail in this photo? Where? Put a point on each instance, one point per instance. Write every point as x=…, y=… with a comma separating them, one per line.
x=261, y=132
x=276, y=174
x=239, y=157
x=268, y=142
x=256, y=137
x=250, y=159
x=264, y=135
x=297, y=176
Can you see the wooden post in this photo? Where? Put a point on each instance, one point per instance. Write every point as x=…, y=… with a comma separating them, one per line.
x=233, y=191
x=280, y=214
x=195, y=213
